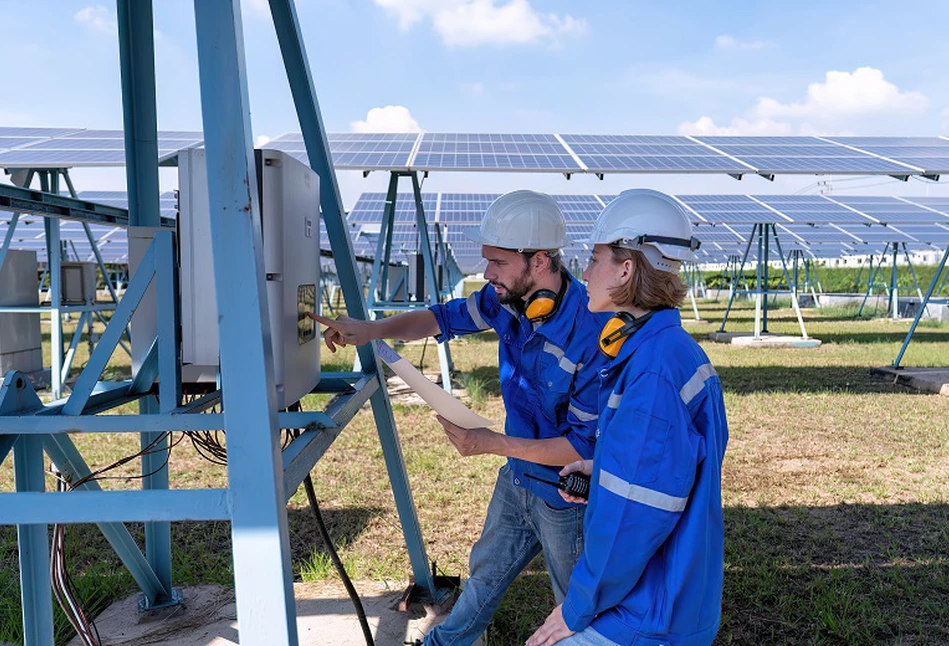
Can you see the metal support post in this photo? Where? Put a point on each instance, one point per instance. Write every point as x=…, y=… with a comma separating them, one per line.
x=434, y=295
x=872, y=280
x=912, y=271
x=263, y=578
x=54, y=265
x=764, y=232
x=794, y=300
x=922, y=308
x=733, y=291
x=378, y=283
x=33, y=541
x=894, y=287
x=137, y=65
x=314, y=136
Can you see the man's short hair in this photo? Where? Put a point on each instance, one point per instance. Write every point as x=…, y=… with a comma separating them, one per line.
x=649, y=288
x=555, y=255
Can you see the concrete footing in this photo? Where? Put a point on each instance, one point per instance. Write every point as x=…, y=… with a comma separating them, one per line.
x=747, y=339
x=207, y=616
x=930, y=380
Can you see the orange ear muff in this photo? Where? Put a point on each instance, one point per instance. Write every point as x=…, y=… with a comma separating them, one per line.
x=541, y=306
x=614, y=333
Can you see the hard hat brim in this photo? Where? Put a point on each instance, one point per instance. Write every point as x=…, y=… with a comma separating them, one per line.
x=473, y=234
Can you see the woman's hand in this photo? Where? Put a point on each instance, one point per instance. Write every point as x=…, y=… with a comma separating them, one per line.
x=583, y=466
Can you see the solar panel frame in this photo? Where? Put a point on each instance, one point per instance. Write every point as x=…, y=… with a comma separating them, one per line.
x=650, y=154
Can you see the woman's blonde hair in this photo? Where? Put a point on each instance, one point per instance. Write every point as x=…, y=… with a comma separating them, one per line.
x=648, y=288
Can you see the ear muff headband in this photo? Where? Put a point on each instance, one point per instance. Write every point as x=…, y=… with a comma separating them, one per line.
x=617, y=329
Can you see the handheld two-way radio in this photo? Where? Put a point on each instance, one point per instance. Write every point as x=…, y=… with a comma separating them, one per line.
x=573, y=484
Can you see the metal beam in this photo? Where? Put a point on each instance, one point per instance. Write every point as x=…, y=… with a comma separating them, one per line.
x=296, y=63
x=112, y=507
x=263, y=578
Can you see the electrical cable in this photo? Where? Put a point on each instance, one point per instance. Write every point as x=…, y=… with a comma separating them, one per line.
x=328, y=542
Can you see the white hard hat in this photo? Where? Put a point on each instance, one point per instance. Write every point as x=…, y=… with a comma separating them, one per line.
x=522, y=220
x=651, y=222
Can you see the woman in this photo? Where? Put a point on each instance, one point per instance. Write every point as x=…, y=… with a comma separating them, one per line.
x=651, y=569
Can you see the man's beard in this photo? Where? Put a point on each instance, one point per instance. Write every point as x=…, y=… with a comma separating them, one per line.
x=516, y=291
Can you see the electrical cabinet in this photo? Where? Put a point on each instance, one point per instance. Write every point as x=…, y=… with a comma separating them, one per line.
x=20, y=338
x=289, y=193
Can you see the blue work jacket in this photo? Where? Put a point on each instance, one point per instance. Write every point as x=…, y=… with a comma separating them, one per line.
x=651, y=569
x=549, y=372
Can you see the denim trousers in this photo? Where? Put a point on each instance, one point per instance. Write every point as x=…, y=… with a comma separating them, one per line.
x=587, y=637
x=519, y=525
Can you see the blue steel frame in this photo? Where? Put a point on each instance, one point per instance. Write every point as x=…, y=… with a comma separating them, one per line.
x=922, y=308
x=379, y=282
x=52, y=206
x=892, y=290
x=261, y=477
x=763, y=234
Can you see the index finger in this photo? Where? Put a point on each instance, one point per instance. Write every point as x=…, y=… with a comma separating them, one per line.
x=322, y=319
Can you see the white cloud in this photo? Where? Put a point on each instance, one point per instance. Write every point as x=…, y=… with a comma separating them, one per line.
x=98, y=18
x=391, y=118
x=845, y=94
x=706, y=126
x=728, y=43
x=261, y=141
x=840, y=100
x=465, y=23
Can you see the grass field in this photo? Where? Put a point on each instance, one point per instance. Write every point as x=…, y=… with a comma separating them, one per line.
x=836, y=491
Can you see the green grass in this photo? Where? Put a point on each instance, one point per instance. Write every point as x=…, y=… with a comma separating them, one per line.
x=836, y=491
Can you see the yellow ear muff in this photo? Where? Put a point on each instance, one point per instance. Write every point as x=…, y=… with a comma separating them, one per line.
x=541, y=306
x=613, y=335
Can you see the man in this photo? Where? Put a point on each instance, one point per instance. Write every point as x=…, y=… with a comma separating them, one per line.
x=548, y=361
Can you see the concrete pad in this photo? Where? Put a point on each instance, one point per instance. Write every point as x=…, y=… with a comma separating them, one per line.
x=325, y=615
x=747, y=339
x=930, y=380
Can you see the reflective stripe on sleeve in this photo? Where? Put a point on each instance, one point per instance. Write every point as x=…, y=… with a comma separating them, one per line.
x=695, y=385
x=642, y=495
x=614, y=400
x=582, y=415
x=475, y=313
x=565, y=364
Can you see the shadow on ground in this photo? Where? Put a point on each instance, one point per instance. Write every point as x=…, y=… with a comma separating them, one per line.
x=743, y=380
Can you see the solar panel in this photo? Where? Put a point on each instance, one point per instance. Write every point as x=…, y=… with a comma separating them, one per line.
x=733, y=209
x=931, y=154
x=356, y=151
x=370, y=207
x=802, y=155
x=464, y=208
x=88, y=148
x=930, y=234
x=874, y=234
x=888, y=210
x=650, y=153
x=812, y=209
x=498, y=152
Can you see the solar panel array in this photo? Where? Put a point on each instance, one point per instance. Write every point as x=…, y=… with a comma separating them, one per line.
x=822, y=227
x=30, y=233
x=68, y=148
x=544, y=152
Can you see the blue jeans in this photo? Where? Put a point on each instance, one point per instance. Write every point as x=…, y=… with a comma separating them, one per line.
x=587, y=637
x=518, y=527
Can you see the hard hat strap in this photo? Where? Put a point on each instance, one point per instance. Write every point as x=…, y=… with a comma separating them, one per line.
x=691, y=243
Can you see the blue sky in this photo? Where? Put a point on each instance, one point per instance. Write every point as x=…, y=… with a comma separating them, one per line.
x=610, y=66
